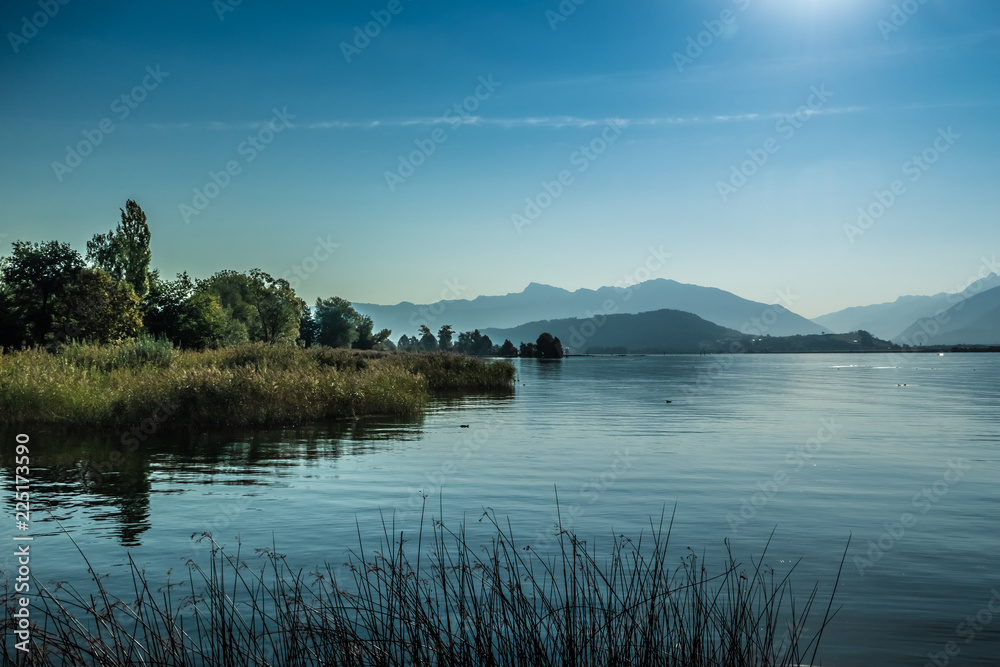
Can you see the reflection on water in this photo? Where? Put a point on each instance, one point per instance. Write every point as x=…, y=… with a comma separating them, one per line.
x=114, y=481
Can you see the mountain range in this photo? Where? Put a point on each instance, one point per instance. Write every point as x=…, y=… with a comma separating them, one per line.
x=974, y=320
x=889, y=320
x=544, y=302
x=971, y=316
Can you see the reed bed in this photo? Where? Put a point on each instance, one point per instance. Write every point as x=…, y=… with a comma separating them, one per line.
x=245, y=385
x=440, y=600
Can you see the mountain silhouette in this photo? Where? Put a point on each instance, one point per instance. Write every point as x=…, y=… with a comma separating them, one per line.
x=545, y=302
x=971, y=321
x=660, y=331
x=889, y=320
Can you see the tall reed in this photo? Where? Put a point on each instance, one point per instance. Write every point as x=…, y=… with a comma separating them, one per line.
x=245, y=385
x=441, y=601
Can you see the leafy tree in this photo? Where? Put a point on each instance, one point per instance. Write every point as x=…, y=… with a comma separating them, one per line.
x=404, y=342
x=163, y=306
x=307, y=328
x=507, y=349
x=265, y=307
x=549, y=347
x=528, y=350
x=366, y=339
x=124, y=251
x=464, y=344
x=337, y=322
x=99, y=308
x=278, y=308
x=445, y=334
x=35, y=279
x=427, y=340
x=482, y=346
x=202, y=322
x=474, y=343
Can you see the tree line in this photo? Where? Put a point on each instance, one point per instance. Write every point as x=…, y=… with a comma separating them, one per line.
x=476, y=343
x=51, y=294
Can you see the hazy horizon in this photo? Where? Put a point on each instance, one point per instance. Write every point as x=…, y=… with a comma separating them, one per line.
x=391, y=165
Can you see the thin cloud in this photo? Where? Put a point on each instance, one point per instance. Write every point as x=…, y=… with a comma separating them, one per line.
x=554, y=122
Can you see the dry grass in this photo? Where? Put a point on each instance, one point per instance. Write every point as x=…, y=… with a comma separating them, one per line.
x=246, y=385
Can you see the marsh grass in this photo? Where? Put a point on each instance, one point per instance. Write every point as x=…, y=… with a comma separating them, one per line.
x=457, y=604
x=245, y=385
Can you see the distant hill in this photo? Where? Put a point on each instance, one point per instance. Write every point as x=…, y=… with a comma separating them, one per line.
x=669, y=331
x=889, y=320
x=544, y=302
x=674, y=332
x=973, y=321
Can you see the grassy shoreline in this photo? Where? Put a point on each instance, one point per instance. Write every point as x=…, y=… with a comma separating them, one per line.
x=255, y=384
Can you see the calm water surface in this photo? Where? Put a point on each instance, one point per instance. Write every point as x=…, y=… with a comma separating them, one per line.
x=900, y=452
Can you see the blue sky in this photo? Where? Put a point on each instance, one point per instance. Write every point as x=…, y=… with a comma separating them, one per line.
x=645, y=141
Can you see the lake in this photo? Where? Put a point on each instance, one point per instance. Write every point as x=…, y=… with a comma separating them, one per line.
x=901, y=452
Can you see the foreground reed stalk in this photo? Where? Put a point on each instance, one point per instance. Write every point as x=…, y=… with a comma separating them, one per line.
x=453, y=606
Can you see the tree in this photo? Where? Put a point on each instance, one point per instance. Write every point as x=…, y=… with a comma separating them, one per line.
x=482, y=346
x=404, y=342
x=307, y=328
x=427, y=340
x=279, y=310
x=202, y=322
x=336, y=320
x=35, y=280
x=548, y=347
x=366, y=339
x=444, y=337
x=474, y=343
x=265, y=307
x=162, y=307
x=99, y=308
x=124, y=252
x=507, y=349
